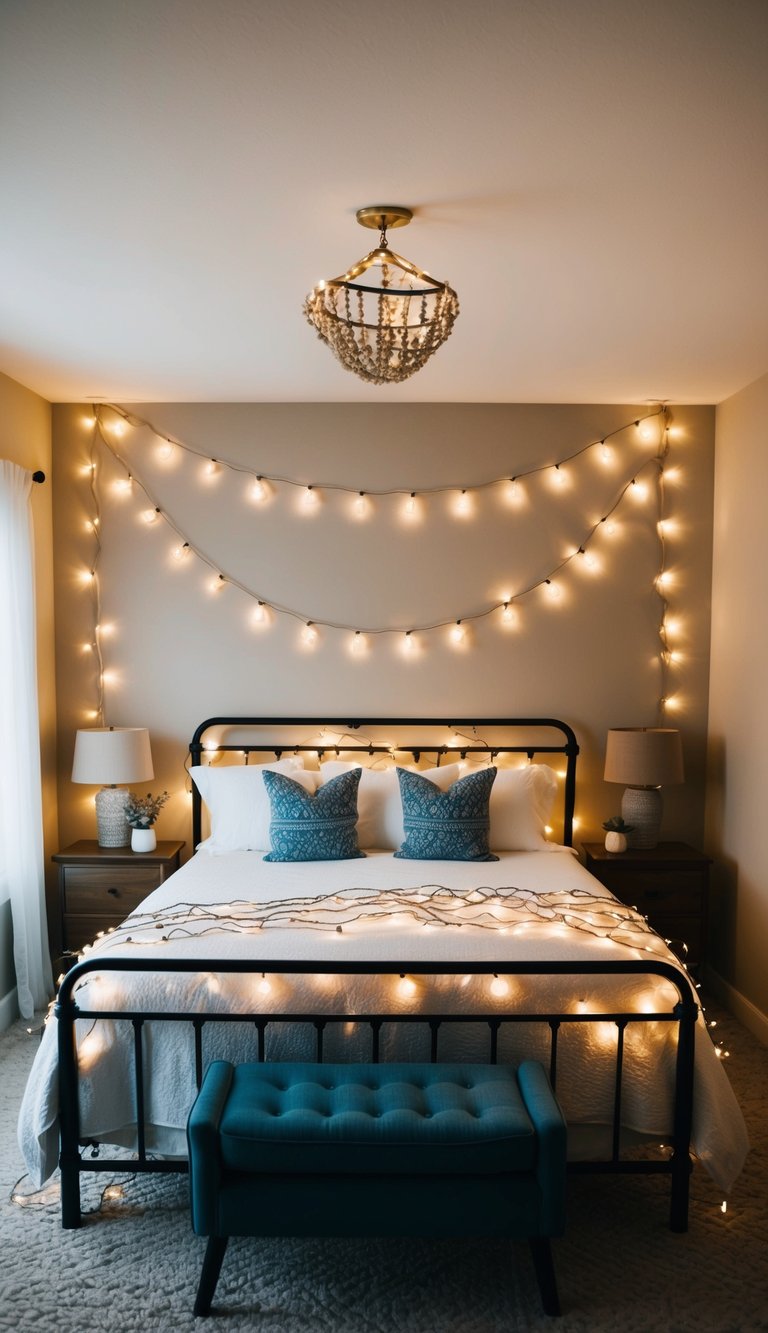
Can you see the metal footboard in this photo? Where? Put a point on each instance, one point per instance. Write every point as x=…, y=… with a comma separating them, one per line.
x=682, y=1016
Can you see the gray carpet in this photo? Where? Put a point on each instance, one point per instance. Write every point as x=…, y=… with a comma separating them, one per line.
x=135, y=1263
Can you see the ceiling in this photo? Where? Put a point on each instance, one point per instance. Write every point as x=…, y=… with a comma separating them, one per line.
x=590, y=175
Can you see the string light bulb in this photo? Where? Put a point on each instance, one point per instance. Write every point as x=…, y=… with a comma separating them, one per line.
x=406, y=986
x=309, y=635
x=458, y=633
x=463, y=505
x=360, y=506
x=409, y=644
x=499, y=986
x=515, y=492
x=258, y=491
x=410, y=508
x=182, y=551
x=358, y=643
x=259, y=615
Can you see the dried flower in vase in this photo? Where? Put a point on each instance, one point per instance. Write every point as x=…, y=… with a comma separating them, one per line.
x=142, y=811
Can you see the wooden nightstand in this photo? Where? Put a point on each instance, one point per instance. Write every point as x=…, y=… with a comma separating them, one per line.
x=99, y=886
x=669, y=884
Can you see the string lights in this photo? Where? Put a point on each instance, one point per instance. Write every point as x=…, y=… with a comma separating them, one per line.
x=504, y=611
x=646, y=429
x=499, y=910
x=458, y=635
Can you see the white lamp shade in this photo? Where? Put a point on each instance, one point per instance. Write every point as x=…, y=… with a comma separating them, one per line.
x=107, y=756
x=644, y=756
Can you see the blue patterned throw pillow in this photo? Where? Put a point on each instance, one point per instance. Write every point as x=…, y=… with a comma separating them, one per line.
x=307, y=826
x=447, y=825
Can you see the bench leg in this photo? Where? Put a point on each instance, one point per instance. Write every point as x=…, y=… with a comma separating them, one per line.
x=541, y=1252
x=214, y=1257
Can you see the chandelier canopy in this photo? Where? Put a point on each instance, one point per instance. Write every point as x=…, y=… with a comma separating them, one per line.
x=384, y=333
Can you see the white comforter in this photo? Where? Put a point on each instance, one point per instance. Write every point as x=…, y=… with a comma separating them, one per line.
x=526, y=905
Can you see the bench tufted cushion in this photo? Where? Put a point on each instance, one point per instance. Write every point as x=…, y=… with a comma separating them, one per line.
x=388, y=1118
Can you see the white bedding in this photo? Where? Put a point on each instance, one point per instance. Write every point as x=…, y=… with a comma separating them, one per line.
x=534, y=906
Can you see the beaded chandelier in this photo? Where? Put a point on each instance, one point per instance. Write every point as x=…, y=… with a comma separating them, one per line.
x=383, y=333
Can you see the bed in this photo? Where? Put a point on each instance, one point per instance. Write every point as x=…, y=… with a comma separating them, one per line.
x=381, y=957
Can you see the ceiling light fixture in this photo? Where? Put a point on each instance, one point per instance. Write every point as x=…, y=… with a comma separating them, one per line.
x=383, y=333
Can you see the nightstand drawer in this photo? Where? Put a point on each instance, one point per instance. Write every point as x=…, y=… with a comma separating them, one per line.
x=107, y=889
x=83, y=929
x=680, y=930
x=667, y=891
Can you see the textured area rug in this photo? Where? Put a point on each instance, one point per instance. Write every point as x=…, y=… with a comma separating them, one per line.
x=135, y=1263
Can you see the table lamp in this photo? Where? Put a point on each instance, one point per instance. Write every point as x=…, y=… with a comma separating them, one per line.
x=112, y=755
x=645, y=759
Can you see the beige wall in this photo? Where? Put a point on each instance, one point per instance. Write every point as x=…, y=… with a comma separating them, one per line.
x=178, y=654
x=25, y=439
x=738, y=776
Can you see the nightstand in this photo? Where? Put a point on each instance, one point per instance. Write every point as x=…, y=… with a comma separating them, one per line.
x=669, y=884
x=99, y=886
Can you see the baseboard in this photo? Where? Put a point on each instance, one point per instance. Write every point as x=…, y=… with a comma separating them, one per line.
x=9, y=1009
x=747, y=1013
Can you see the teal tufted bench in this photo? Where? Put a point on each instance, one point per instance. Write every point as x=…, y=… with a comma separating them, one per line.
x=290, y=1149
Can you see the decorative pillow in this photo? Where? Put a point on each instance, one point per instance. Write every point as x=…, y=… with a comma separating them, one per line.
x=448, y=825
x=380, y=818
x=521, y=804
x=238, y=805
x=319, y=827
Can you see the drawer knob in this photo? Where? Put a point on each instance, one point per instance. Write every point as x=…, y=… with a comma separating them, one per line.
x=114, y=891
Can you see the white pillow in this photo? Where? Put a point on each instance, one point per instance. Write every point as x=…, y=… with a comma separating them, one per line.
x=521, y=803
x=380, y=810
x=238, y=804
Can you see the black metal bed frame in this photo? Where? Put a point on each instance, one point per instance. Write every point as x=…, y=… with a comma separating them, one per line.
x=682, y=1015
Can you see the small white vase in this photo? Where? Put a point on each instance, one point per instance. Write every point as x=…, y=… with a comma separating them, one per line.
x=143, y=840
x=615, y=842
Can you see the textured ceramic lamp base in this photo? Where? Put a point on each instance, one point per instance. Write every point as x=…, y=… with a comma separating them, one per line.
x=113, y=830
x=641, y=807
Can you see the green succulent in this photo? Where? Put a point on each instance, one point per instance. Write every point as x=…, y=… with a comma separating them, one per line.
x=616, y=825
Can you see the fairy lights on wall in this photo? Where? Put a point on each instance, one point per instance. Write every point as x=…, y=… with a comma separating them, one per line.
x=113, y=425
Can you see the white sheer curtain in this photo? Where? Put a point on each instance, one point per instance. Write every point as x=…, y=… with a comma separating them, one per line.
x=21, y=827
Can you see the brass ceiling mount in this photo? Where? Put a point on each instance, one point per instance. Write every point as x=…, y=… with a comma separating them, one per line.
x=380, y=217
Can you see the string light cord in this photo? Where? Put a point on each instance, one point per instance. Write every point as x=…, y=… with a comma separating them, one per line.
x=498, y=910
x=94, y=578
x=264, y=601
x=665, y=656
x=137, y=422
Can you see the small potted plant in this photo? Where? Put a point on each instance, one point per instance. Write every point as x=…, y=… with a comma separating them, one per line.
x=616, y=834
x=141, y=813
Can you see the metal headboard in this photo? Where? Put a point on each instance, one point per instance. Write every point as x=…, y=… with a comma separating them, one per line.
x=270, y=739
